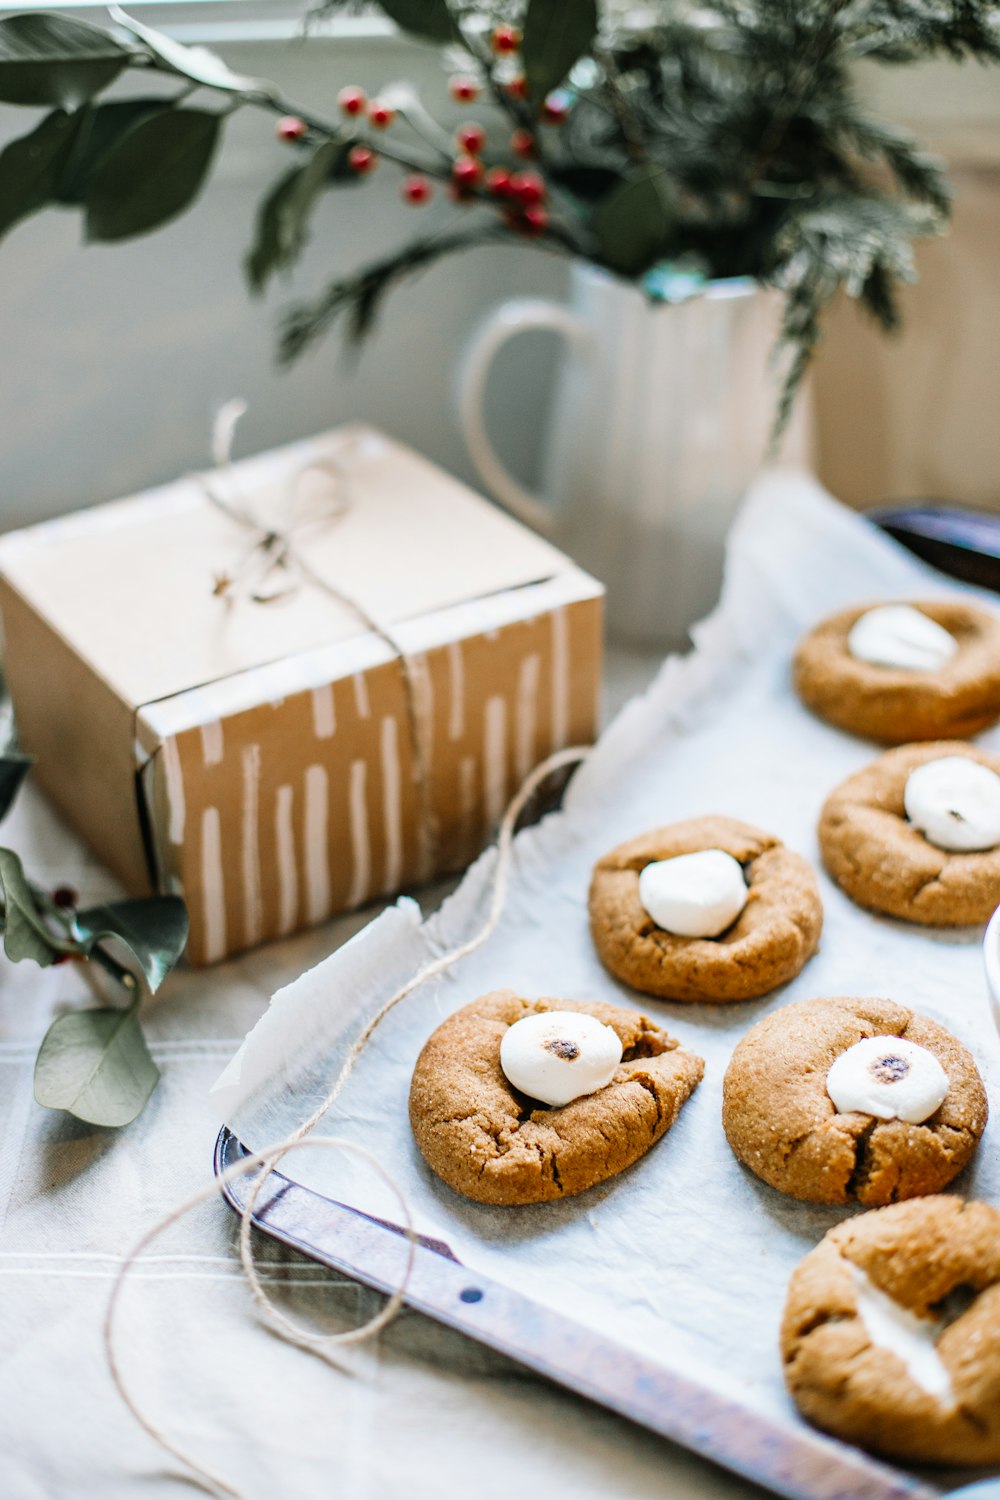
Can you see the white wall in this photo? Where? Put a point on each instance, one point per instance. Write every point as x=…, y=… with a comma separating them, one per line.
x=113, y=358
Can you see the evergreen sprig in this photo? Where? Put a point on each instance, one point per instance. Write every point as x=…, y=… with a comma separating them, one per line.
x=727, y=138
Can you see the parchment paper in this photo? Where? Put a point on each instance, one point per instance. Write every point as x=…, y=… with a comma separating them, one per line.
x=686, y=1253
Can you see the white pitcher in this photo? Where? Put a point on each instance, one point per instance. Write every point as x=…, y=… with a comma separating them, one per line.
x=660, y=419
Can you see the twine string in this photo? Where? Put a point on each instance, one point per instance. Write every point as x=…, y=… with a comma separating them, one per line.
x=268, y=1159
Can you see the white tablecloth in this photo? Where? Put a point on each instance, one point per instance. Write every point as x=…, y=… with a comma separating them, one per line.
x=423, y=1413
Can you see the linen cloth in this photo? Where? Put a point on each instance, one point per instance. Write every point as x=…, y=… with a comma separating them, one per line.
x=422, y=1411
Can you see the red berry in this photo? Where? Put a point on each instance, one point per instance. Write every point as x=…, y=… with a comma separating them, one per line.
x=352, y=100
x=471, y=138
x=463, y=90
x=290, y=128
x=517, y=88
x=528, y=188
x=529, y=220
x=64, y=895
x=380, y=114
x=361, y=159
x=416, y=189
x=498, y=181
x=466, y=172
x=505, y=39
x=522, y=143
x=555, y=110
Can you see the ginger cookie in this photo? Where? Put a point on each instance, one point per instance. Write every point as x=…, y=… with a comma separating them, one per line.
x=889, y=861
x=657, y=902
x=852, y=1101
x=492, y=1142
x=881, y=673
x=891, y=1332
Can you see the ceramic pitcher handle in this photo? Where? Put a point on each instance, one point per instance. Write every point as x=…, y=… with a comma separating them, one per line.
x=501, y=324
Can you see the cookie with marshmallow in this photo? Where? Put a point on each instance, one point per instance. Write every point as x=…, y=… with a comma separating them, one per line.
x=853, y=1101
x=709, y=909
x=890, y=1336
x=901, y=672
x=916, y=834
x=519, y=1101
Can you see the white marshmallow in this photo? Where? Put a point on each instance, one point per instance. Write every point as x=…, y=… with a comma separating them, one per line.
x=912, y=1339
x=955, y=802
x=559, y=1055
x=888, y=1077
x=897, y=635
x=694, y=895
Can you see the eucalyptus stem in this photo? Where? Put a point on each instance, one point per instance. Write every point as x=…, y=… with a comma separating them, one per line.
x=64, y=917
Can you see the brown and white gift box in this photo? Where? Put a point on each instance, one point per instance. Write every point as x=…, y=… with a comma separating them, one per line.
x=275, y=760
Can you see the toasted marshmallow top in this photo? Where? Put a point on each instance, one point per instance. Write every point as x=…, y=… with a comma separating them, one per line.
x=694, y=895
x=897, y=635
x=559, y=1055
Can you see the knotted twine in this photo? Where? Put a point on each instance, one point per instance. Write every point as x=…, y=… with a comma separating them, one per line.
x=274, y=553
x=277, y=552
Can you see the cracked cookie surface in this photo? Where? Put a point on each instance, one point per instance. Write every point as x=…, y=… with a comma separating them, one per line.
x=920, y=1254
x=772, y=938
x=782, y=1124
x=893, y=705
x=885, y=864
x=493, y=1144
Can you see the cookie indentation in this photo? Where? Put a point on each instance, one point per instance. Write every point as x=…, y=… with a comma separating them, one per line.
x=886, y=864
x=487, y=1141
x=771, y=939
x=783, y=1125
x=891, y=1332
x=957, y=698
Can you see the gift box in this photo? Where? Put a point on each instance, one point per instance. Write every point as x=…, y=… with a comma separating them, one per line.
x=295, y=683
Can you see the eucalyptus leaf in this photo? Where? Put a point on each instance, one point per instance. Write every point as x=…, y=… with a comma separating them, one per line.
x=31, y=167
x=96, y=1065
x=13, y=767
x=25, y=933
x=101, y=127
x=430, y=19
x=197, y=63
x=283, y=220
x=54, y=59
x=556, y=35
x=636, y=221
x=153, y=174
x=154, y=929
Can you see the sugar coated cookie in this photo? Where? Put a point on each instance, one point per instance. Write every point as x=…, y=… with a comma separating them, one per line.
x=726, y=940
x=909, y=835
x=852, y=1101
x=491, y=1141
x=896, y=673
x=891, y=1332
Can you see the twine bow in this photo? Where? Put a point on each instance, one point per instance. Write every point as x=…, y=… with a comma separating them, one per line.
x=273, y=569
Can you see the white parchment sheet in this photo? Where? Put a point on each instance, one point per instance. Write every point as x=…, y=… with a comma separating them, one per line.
x=686, y=1253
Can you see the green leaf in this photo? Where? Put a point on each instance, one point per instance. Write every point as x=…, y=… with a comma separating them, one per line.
x=101, y=128
x=556, y=35
x=25, y=933
x=635, y=223
x=197, y=63
x=152, y=175
x=283, y=220
x=154, y=929
x=31, y=166
x=430, y=19
x=96, y=1065
x=13, y=768
x=52, y=59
